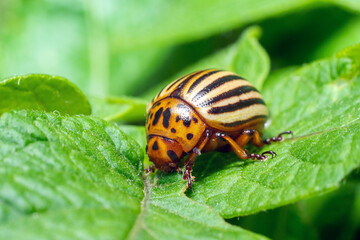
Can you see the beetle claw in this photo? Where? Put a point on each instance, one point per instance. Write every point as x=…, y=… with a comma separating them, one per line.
x=279, y=138
x=187, y=176
x=150, y=169
x=261, y=157
x=269, y=152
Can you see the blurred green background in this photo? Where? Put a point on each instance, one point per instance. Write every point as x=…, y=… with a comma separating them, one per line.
x=117, y=48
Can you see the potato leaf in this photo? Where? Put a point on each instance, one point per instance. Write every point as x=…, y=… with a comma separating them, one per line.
x=79, y=177
x=42, y=92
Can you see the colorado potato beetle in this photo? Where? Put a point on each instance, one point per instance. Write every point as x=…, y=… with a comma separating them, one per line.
x=205, y=111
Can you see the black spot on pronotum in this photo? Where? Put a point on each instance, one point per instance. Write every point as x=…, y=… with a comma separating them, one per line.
x=155, y=146
x=178, y=118
x=173, y=130
x=195, y=119
x=186, y=121
x=166, y=117
x=157, y=116
x=172, y=155
x=189, y=136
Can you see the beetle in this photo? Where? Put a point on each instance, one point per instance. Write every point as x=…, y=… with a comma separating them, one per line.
x=201, y=112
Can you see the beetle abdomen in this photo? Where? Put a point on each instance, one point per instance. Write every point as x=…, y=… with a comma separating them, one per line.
x=223, y=99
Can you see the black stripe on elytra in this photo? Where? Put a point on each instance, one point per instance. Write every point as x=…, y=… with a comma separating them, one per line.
x=237, y=123
x=236, y=106
x=175, y=82
x=155, y=105
x=231, y=93
x=155, y=146
x=172, y=155
x=177, y=91
x=166, y=117
x=159, y=93
x=200, y=79
x=157, y=116
x=215, y=84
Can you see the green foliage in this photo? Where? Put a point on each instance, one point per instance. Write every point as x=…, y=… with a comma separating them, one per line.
x=119, y=109
x=114, y=48
x=245, y=57
x=42, y=92
x=80, y=177
x=316, y=160
x=65, y=175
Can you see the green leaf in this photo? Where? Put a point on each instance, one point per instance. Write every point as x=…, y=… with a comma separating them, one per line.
x=320, y=217
x=352, y=5
x=189, y=20
x=327, y=214
x=136, y=132
x=319, y=103
x=66, y=177
x=280, y=223
x=345, y=36
x=119, y=109
x=251, y=60
x=246, y=57
x=42, y=92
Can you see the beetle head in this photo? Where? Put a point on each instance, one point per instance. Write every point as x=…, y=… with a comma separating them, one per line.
x=165, y=153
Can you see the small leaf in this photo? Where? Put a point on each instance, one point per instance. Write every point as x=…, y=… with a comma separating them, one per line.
x=320, y=103
x=251, y=60
x=66, y=177
x=42, y=92
x=246, y=57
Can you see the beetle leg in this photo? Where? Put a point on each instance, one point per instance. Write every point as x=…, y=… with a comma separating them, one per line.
x=257, y=139
x=245, y=137
x=179, y=170
x=261, y=157
x=279, y=138
x=188, y=169
x=189, y=163
x=242, y=153
x=150, y=169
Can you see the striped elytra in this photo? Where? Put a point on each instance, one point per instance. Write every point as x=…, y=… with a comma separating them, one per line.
x=204, y=111
x=223, y=99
